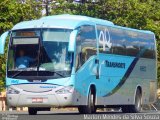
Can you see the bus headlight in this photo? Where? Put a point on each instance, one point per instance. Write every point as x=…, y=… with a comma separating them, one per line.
x=67, y=89
x=12, y=91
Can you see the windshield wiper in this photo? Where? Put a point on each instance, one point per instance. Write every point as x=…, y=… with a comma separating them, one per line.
x=58, y=74
x=28, y=69
x=19, y=72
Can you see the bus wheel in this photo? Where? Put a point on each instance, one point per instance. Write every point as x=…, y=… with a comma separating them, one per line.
x=138, y=102
x=93, y=107
x=32, y=111
x=137, y=107
x=90, y=108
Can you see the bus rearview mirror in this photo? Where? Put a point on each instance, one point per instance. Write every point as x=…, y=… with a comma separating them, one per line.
x=2, y=41
x=72, y=40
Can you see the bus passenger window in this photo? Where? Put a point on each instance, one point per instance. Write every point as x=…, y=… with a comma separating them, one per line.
x=132, y=43
x=85, y=44
x=118, y=41
x=103, y=36
x=147, y=47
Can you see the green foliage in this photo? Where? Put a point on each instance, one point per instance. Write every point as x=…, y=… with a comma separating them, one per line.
x=139, y=14
x=12, y=12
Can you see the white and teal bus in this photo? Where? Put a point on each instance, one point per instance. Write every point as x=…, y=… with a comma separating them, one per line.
x=79, y=61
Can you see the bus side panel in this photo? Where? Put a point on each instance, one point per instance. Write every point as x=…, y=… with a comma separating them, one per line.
x=114, y=72
x=84, y=77
x=143, y=74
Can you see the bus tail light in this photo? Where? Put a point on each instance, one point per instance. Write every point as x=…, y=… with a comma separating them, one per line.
x=65, y=90
x=12, y=91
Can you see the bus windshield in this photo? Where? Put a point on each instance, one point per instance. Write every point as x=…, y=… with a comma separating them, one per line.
x=54, y=54
x=39, y=53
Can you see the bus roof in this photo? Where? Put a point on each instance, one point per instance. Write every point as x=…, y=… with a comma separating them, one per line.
x=62, y=21
x=67, y=21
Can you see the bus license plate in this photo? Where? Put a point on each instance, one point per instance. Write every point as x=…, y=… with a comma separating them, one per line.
x=37, y=100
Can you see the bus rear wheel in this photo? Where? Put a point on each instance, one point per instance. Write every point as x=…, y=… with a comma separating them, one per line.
x=32, y=111
x=90, y=107
x=137, y=107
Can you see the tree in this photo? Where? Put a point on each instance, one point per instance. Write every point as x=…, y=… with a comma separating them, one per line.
x=11, y=13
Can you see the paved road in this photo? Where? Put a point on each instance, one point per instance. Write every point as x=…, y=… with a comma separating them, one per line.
x=74, y=115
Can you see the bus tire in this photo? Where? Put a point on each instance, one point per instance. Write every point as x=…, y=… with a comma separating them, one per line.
x=90, y=108
x=32, y=111
x=138, y=102
x=137, y=107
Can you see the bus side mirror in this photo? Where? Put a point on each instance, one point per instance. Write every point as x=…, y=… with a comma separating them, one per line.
x=2, y=41
x=72, y=41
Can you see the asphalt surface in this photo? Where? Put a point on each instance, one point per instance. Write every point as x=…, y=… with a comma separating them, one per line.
x=74, y=115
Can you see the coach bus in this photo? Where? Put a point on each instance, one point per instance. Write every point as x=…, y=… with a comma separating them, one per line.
x=79, y=61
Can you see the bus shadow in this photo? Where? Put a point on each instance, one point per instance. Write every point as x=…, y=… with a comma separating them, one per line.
x=97, y=113
x=77, y=113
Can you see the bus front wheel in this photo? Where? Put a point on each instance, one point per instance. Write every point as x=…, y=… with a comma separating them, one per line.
x=137, y=107
x=32, y=111
x=90, y=107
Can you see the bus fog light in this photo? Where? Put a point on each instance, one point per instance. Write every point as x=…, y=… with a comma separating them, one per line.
x=12, y=91
x=68, y=89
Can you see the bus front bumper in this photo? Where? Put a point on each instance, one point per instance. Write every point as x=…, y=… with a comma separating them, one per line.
x=46, y=99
